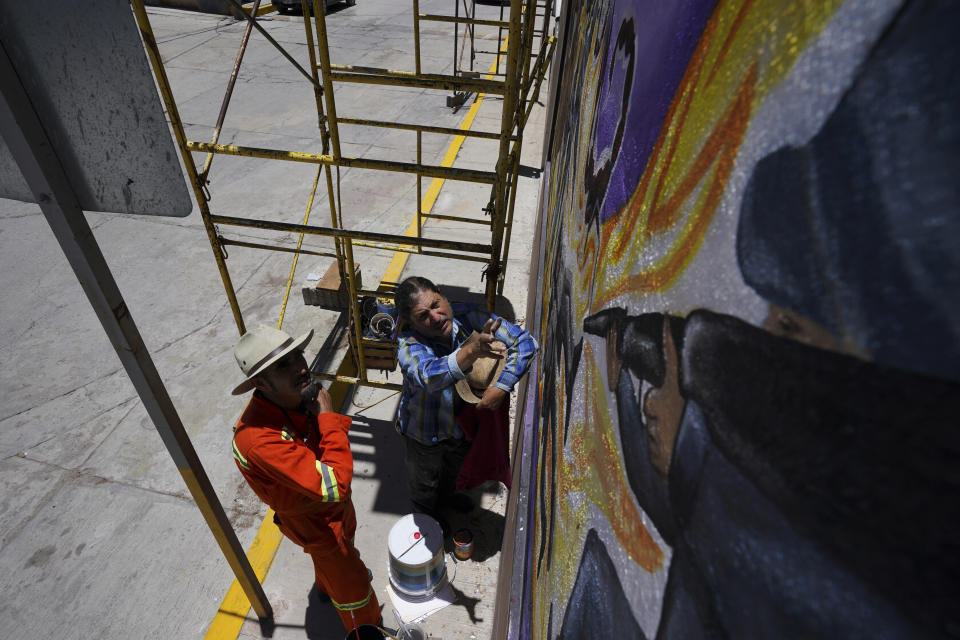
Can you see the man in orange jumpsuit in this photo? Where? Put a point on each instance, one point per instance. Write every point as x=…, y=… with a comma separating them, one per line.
x=294, y=452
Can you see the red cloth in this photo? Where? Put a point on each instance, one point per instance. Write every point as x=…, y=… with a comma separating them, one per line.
x=489, y=455
x=301, y=466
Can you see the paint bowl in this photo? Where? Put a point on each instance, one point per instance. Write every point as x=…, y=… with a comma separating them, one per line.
x=381, y=325
x=463, y=544
x=365, y=632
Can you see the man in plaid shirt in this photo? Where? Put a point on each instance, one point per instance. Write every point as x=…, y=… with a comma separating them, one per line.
x=434, y=353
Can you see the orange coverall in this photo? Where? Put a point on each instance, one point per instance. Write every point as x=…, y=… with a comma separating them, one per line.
x=301, y=467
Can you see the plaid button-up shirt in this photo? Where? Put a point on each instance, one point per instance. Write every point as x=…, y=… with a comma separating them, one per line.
x=430, y=372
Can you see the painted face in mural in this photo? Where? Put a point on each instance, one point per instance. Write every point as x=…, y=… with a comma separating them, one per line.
x=663, y=408
x=663, y=405
x=431, y=315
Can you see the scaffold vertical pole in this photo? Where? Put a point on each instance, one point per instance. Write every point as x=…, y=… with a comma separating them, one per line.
x=514, y=45
x=324, y=136
x=231, y=83
x=419, y=187
x=323, y=49
x=416, y=35
x=525, y=55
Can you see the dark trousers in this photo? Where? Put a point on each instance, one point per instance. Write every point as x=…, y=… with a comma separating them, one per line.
x=432, y=471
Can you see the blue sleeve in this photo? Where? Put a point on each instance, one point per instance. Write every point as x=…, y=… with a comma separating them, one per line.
x=422, y=368
x=521, y=347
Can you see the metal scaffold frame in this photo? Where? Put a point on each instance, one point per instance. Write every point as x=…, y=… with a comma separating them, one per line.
x=522, y=77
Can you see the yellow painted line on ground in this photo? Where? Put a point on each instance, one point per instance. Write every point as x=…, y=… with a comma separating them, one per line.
x=233, y=610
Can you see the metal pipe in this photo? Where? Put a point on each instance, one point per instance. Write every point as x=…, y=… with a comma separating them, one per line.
x=317, y=93
x=436, y=254
x=229, y=93
x=316, y=179
x=256, y=25
x=499, y=42
x=437, y=216
x=361, y=381
x=163, y=83
x=551, y=46
x=419, y=187
x=514, y=45
x=421, y=81
x=368, y=292
x=273, y=247
x=518, y=146
x=473, y=16
x=416, y=36
x=324, y=135
x=449, y=83
x=420, y=127
x=296, y=254
x=434, y=171
x=527, y=45
x=508, y=224
x=464, y=20
x=456, y=34
x=373, y=236
x=537, y=79
x=320, y=20
x=355, y=310
x=547, y=14
x=539, y=67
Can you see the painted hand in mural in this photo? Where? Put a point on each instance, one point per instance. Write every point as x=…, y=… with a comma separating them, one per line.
x=635, y=357
x=663, y=408
x=645, y=344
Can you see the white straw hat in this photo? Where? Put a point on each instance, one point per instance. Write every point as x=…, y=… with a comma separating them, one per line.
x=260, y=348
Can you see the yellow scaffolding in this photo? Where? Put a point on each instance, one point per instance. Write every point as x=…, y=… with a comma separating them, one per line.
x=519, y=84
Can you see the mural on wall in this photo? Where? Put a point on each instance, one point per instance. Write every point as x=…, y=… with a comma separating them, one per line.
x=746, y=411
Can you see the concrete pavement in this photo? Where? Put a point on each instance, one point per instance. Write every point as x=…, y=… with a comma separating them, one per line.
x=98, y=536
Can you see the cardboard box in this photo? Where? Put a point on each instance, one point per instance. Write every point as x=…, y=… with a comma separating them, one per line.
x=329, y=292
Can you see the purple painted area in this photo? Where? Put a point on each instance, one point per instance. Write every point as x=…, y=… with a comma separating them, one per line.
x=531, y=423
x=664, y=37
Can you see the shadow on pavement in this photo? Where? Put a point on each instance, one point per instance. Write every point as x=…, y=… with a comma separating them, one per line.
x=321, y=621
x=487, y=528
x=387, y=458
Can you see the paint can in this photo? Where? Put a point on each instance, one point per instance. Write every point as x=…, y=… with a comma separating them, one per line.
x=417, y=565
x=365, y=632
x=386, y=305
x=463, y=544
